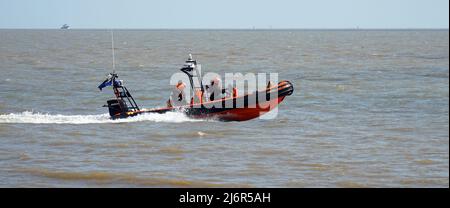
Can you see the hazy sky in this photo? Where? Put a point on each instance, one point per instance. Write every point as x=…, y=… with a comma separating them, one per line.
x=224, y=14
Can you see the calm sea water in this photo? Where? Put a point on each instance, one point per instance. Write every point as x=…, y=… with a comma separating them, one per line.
x=370, y=109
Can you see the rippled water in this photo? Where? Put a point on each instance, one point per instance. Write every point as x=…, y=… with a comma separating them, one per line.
x=370, y=109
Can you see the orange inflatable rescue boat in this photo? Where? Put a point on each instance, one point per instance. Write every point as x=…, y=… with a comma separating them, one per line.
x=228, y=108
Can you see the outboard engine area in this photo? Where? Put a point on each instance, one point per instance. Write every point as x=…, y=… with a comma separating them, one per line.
x=116, y=107
x=124, y=103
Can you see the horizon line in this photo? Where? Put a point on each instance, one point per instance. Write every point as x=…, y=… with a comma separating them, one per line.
x=242, y=28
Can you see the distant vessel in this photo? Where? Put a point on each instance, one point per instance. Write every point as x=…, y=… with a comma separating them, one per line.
x=65, y=26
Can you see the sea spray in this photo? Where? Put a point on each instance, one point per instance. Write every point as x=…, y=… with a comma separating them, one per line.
x=28, y=117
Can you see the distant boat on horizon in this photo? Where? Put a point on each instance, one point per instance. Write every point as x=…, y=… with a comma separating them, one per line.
x=65, y=26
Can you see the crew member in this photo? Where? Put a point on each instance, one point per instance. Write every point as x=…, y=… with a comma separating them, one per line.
x=177, y=97
x=215, y=89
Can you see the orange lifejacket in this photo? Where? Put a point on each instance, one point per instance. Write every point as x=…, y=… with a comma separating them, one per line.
x=199, y=94
x=181, y=86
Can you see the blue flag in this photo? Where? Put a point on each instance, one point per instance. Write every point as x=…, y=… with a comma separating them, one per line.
x=106, y=83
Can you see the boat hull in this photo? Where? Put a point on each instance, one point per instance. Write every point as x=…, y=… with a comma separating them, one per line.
x=241, y=108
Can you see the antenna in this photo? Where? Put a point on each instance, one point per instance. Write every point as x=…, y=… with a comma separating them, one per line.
x=112, y=49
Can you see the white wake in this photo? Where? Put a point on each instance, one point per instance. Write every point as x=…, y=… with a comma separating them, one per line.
x=28, y=117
